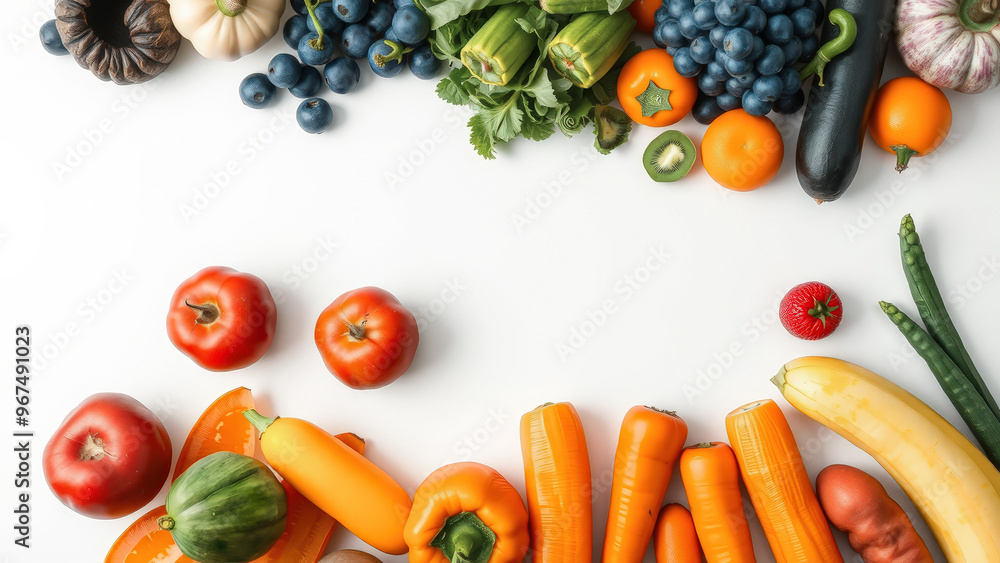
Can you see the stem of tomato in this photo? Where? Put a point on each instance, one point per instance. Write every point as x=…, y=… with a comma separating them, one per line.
x=979, y=15
x=165, y=523
x=848, y=32
x=209, y=313
x=903, y=154
x=318, y=42
x=357, y=331
x=92, y=449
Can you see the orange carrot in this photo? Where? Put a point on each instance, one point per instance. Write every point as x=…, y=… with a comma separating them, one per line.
x=557, y=479
x=648, y=446
x=711, y=480
x=675, y=539
x=779, y=486
x=220, y=428
x=337, y=479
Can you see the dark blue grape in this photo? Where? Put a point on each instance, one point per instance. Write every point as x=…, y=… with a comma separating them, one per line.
x=755, y=20
x=308, y=84
x=660, y=14
x=817, y=7
x=684, y=64
x=746, y=80
x=793, y=50
x=299, y=6
x=771, y=61
x=789, y=81
x=721, y=57
x=738, y=43
x=773, y=6
x=795, y=4
x=754, y=105
x=706, y=109
x=758, y=48
x=411, y=25
x=768, y=88
x=310, y=55
x=351, y=11
x=809, y=47
x=717, y=35
x=790, y=103
x=716, y=71
x=735, y=88
x=689, y=28
x=709, y=85
x=379, y=17
x=803, y=22
x=702, y=50
x=727, y=101
x=670, y=33
x=51, y=40
x=671, y=50
x=677, y=8
x=704, y=15
x=730, y=12
x=342, y=75
x=314, y=115
x=356, y=41
x=736, y=67
x=658, y=36
x=284, y=70
x=779, y=29
x=328, y=20
x=257, y=91
x=423, y=63
x=295, y=27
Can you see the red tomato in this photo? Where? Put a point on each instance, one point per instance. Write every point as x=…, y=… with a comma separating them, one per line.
x=367, y=338
x=222, y=319
x=108, y=458
x=644, y=12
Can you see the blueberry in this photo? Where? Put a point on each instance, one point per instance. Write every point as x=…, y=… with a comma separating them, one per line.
x=718, y=35
x=709, y=85
x=342, y=75
x=793, y=50
x=350, y=11
x=295, y=28
x=803, y=22
x=727, y=102
x=754, y=105
x=309, y=83
x=677, y=8
x=768, y=88
x=809, y=47
x=730, y=12
x=684, y=64
x=755, y=20
x=379, y=17
x=738, y=43
x=778, y=29
x=736, y=67
x=257, y=91
x=689, y=28
x=758, y=48
x=702, y=50
x=670, y=33
x=411, y=25
x=789, y=81
x=382, y=66
x=746, y=80
x=299, y=6
x=817, y=7
x=51, y=40
x=283, y=71
x=312, y=56
x=399, y=4
x=772, y=61
x=423, y=63
x=790, y=103
x=704, y=15
x=706, y=109
x=314, y=115
x=660, y=14
x=716, y=71
x=735, y=88
x=773, y=6
x=356, y=40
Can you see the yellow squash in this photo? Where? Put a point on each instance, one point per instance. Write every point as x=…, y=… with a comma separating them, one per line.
x=951, y=483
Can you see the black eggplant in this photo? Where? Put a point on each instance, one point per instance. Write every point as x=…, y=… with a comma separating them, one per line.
x=836, y=113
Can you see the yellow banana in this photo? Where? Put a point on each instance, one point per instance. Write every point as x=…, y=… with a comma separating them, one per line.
x=952, y=484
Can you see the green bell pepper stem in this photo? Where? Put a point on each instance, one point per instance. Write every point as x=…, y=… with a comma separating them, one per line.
x=464, y=538
x=259, y=421
x=848, y=32
x=395, y=55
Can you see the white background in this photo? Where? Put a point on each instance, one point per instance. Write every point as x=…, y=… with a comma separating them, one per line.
x=80, y=204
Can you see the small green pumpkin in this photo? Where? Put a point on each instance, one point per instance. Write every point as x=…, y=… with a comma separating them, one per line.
x=226, y=508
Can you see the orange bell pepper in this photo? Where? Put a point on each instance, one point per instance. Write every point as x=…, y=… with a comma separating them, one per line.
x=467, y=512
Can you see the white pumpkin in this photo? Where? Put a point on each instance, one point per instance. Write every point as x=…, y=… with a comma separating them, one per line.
x=227, y=29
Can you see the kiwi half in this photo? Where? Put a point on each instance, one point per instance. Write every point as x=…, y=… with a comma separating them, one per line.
x=669, y=157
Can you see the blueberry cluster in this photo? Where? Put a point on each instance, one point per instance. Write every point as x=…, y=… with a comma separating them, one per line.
x=741, y=51
x=387, y=33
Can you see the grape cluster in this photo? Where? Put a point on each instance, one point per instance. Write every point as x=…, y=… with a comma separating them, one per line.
x=741, y=51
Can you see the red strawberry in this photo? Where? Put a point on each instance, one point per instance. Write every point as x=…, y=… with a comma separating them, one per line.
x=811, y=311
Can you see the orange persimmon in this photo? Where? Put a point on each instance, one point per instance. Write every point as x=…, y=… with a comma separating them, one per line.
x=644, y=12
x=909, y=118
x=652, y=93
x=742, y=152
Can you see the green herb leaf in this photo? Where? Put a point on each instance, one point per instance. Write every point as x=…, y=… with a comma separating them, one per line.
x=480, y=137
x=441, y=12
x=450, y=89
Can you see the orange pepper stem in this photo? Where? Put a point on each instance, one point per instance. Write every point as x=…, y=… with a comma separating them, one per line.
x=464, y=538
x=903, y=154
x=259, y=421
